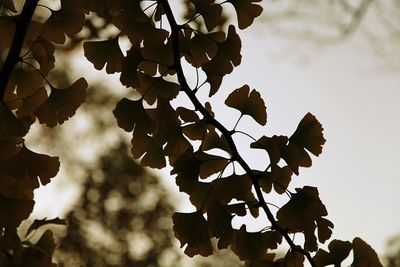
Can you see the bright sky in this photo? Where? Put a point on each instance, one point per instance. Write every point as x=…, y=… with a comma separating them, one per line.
x=357, y=104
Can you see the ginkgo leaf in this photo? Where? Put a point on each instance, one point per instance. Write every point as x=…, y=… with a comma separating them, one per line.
x=210, y=11
x=296, y=157
x=293, y=258
x=16, y=210
x=309, y=135
x=219, y=220
x=192, y=229
x=150, y=149
x=39, y=223
x=131, y=116
x=46, y=243
x=228, y=56
x=273, y=145
x=104, y=52
x=130, y=64
x=210, y=164
x=364, y=255
x=213, y=140
x=280, y=178
x=43, y=52
x=28, y=104
x=233, y=187
x=68, y=20
x=22, y=83
x=254, y=245
x=27, y=163
x=157, y=51
x=246, y=11
x=338, y=252
x=302, y=213
x=248, y=103
x=151, y=88
x=10, y=125
x=187, y=168
x=187, y=115
x=62, y=103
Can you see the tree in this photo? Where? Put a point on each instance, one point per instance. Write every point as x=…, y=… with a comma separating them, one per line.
x=201, y=150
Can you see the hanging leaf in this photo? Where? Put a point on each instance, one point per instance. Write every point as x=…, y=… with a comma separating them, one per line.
x=28, y=104
x=62, y=103
x=129, y=69
x=234, y=187
x=254, y=245
x=32, y=165
x=248, y=104
x=14, y=211
x=303, y=213
x=131, y=116
x=105, y=52
x=187, y=168
x=309, y=135
x=43, y=52
x=228, y=56
x=210, y=12
x=338, y=252
x=273, y=145
x=364, y=255
x=293, y=259
x=152, y=88
x=219, y=220
x=68, y=20
x=151, y=150
x=192, y=229
x=212, y=140
x=246, y=11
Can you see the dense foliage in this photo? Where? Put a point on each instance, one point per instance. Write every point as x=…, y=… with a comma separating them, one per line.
x=202, y=151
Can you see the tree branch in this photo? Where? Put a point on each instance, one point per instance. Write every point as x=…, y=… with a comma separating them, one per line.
x=22, y=23
x=175, y=28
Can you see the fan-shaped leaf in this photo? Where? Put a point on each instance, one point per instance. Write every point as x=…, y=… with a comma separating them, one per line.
x=130, y=64
x=192, y=229
x=131, y=116
x=43, y=52
x=105, y=52
x=228, y=55
x=14, y=211
x=338, y=252
x=273, y=145
x=62, y=103
x=151, y=88
x=246, y=11
x=302, y=213
x=364, y=255
x=68, y=20
x=309, y=135
x=210, y=11
x=248, y=104
x=151, y=149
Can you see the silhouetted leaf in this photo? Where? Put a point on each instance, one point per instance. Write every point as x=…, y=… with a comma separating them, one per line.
x=273, y=145
x=228, y=56
x=364, y=255
x=210, y=11
x=293, y=259
x=43, y=52
x=254, y=245
x=27, y=163
x=338, y=252
x=187, y=168
x=213, y=140
x=131, y=116
x=303, y=213
x=151, y=88
x=248, y=104
x=309, y=135
x=151, y=149
x=192, y=229
x=130, y=64
x=246, y=11
x=233, y=187
x=219, y=220
x=14, y=211
x=7, y=29
x=104, y=52
x=68, y=20
x=62, y=103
